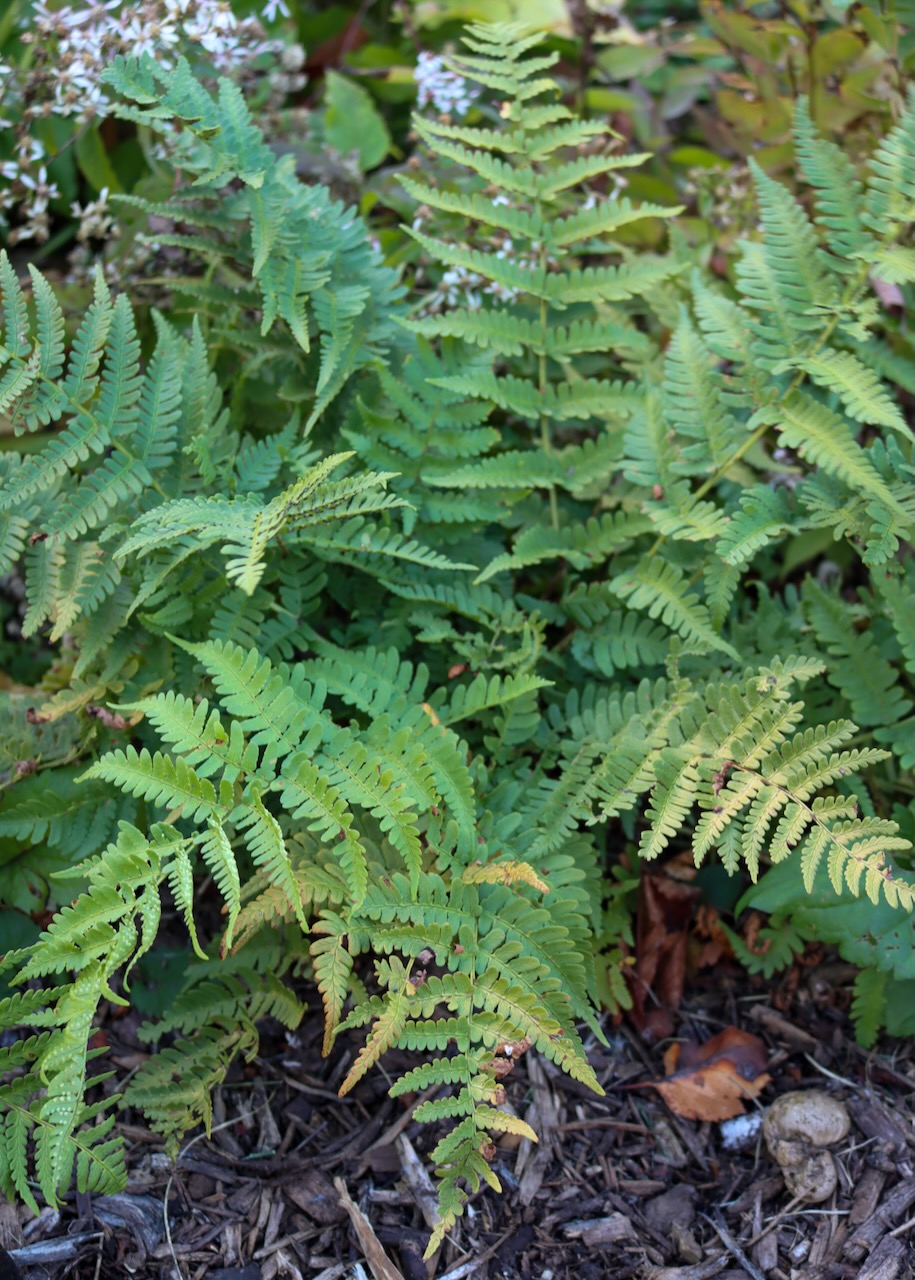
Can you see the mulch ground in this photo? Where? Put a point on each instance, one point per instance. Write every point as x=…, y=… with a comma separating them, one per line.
x=618, y=1187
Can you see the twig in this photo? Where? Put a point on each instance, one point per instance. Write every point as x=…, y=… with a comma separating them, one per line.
x=469, y=1268
x=380, y=1264
x=831, y=1074
x=776, y=1220
x=733, y=1247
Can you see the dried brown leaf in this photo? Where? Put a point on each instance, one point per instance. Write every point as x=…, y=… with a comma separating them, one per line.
x=711, y=1081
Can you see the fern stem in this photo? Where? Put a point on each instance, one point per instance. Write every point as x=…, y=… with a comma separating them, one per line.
x=542, y=372
x=544, y=420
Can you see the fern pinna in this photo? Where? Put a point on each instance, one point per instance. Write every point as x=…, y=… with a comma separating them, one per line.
x=396, y=662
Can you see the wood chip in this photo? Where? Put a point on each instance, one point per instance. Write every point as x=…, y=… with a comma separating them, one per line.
x=644, y=1186
x=867, y=1196
x=380, y=1264
x=601, y=1231
x=314, y=1193
x=140, y=1215
x=877, y=1121
x=543, y=1115
x=776, y=1025
x=701, y=1271
x=686, y=1244
x=886, y=1262
x=895, y=1204
x=47, y=1252
x=10, y=1227
x=678, y=1205
x=765, y=1253
x=419, y=1181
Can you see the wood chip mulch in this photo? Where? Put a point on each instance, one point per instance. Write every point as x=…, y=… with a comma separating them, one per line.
x=296, y=1183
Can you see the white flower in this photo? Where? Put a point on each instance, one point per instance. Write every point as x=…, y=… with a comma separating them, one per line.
x=42, y=189
x=30, y=150
x=70, y=18
x=223, y=18
x=95, y=221
x=273, y=7
x=213, y=42
x=450, y=94
x=150, y=37
x=292, y=57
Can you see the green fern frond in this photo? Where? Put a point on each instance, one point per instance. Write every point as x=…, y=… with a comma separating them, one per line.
x=482, y=694
x=839, y=191
x=860, y=390
x=661, y=590
x=868, y=1008
x=697, y=401
x=583, y=545
x=792, y=250
x=890, y=197
x=824, y=439
x=158, y=779
x=309, y=257
x=333, y=964
x=764, y=514
x=857, y=667
x=672, y=797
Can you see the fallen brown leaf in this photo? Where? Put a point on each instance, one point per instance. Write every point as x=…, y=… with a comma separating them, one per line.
x=665, y=909
x=711, y=1081
x=710, y=944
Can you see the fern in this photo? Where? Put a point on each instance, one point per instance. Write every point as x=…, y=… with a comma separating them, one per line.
x=395, y=633
x=661, y=590
x=533, y=292
x=309, y=258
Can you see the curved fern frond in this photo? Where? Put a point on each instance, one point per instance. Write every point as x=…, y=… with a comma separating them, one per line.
x=661, y=590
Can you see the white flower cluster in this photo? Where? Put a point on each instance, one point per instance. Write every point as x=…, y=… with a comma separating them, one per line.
x=449, y=93
x=27, y=186
x=75, y=43
x=462, y=288
x=86, y=39
x=96, y=221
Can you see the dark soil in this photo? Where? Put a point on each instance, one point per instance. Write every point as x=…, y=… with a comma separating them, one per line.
x=618, y=1187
